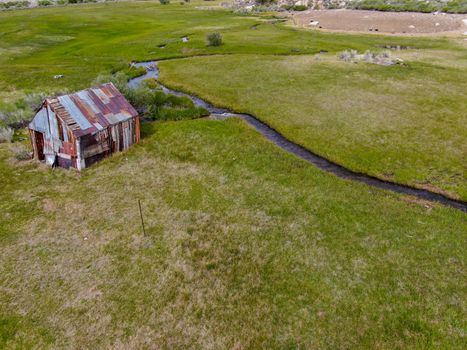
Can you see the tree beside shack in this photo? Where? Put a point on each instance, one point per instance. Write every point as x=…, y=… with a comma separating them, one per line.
x=82, y=128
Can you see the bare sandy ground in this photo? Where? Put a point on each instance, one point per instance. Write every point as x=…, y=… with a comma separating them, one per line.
x=408, y=23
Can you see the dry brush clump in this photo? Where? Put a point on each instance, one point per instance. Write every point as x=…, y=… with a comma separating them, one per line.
x=382, y=58
x=214, y=39
x=6, y=134
x=17, y=114
x=20, y=152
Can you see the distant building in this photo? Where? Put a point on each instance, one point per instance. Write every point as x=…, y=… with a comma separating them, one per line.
x=79, y=129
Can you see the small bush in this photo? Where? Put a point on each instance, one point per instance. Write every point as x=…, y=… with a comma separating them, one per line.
x=164, y=2
x=34, y=100
x=214, y=39
x=44, y=3
x=6, y=134
x=20, y=152
x=265, y=2
x=151, y=83
x=14, y=4
x=453, y=6
x=300, y=8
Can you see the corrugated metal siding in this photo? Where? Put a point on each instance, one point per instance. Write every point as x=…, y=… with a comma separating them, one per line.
x=39, y=123
x=75, y=112
x=81, y=128
x=95, y=109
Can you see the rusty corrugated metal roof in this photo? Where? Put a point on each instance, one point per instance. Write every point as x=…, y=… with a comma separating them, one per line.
x=90, y=110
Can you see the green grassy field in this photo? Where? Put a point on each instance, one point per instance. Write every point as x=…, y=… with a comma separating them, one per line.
x=247, y=246
x=405, y=123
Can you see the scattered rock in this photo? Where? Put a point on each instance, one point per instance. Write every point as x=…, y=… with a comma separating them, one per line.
x=314, y=23
x=58, y=76
x=185, y=39
x=411, y=26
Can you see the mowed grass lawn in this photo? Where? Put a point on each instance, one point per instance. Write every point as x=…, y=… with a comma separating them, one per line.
x=247, y=247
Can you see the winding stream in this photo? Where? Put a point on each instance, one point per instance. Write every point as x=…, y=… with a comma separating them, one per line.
x=274, y=136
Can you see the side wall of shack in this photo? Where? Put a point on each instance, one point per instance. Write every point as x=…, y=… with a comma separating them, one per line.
x=116, y=138
x=58, y=144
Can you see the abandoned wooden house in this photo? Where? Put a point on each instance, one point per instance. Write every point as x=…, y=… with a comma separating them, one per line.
x=79, y=129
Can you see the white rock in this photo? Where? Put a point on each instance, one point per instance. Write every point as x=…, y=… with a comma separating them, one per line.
x=411, y=26
x=465, y=33
x=465, y=21
x=314, y=23
x=436, y=24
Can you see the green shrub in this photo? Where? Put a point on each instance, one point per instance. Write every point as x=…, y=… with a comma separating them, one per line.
x=300, y=8
x=181, y=114
x=44, y=3
x=164, y=2
x=151, y=83
x=149, y=99
x=158, y=105
x=214, y=39
x=453, y=6
x=14, y=4
x=265, y=2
